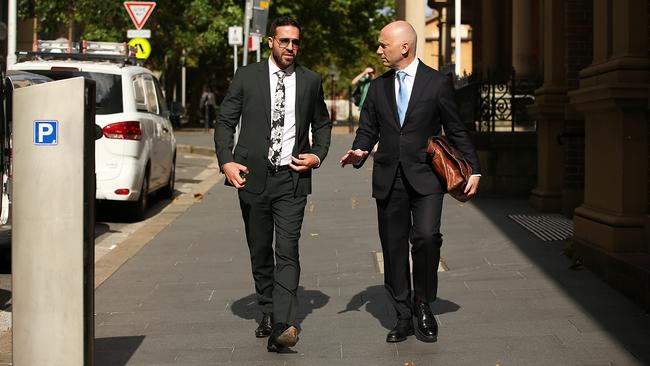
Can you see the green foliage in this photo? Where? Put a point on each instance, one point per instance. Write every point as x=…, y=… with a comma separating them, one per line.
x=338, y=32
x=195, y=32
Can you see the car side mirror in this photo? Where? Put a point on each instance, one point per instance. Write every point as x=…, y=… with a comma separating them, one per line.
x=98, y=132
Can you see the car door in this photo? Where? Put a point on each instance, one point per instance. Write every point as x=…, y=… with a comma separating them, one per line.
x=158, y=156
x=167, y=132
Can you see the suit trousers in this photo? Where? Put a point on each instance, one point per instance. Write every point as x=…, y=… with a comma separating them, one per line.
x=408, y=217
x=275, y=272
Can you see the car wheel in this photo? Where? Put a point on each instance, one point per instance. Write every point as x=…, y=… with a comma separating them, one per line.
x=168, y=190
x=140, y=209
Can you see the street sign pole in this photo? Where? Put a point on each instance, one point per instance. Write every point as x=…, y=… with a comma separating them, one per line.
x=11, y=33
x=248, y=15
x=235, y=39
x=260, y=14
x=183, y=81
x=235, y=63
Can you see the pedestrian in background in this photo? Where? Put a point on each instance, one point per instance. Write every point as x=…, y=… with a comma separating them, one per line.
x=208, y=105
x=403, y=108
x=280, y=102
x=361, y=83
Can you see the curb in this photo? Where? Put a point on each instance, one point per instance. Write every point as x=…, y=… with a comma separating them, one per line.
x=200, y=150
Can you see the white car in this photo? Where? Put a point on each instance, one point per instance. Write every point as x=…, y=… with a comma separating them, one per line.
x=137, y=153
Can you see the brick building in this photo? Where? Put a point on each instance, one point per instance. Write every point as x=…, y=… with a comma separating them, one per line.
x=590, y=112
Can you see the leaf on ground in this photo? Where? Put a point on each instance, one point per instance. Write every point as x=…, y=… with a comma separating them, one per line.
x=198, y=196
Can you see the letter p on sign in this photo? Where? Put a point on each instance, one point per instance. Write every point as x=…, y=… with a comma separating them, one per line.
x=46, y=132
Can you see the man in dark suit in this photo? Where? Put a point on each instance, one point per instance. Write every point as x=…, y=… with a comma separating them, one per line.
x=403, y=108
x=279, y=102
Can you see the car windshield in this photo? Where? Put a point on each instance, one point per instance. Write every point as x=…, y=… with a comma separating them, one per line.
x=108, y=86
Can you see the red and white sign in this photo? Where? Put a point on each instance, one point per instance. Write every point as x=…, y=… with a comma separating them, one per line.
x=139, y=11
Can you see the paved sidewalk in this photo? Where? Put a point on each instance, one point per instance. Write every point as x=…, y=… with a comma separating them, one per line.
x=507, y=298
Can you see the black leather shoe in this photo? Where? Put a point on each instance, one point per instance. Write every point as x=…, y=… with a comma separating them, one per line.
x=282, y=336
x=401, y=331
x=426, y=327
x=264, y=329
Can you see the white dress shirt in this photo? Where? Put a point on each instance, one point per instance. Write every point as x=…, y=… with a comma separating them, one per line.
x=289, y=134
x=409, y=79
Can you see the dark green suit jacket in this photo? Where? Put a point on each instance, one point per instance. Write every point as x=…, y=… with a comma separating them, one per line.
x=249, y=96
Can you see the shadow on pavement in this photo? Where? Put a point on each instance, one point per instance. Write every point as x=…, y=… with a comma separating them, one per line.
x=5, y=298
x=376, y=302
x=617, y=316
x=116, y=351
x=118, y=211
x=308, y=301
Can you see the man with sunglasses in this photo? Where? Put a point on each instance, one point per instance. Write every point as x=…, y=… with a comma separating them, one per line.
x=279, y=102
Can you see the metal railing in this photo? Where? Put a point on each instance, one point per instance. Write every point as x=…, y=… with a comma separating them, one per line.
x=492, y=104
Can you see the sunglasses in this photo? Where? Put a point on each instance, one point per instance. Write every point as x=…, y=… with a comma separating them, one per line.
x=284, y=42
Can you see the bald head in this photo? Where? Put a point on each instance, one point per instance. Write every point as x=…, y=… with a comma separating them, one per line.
x=397, y=44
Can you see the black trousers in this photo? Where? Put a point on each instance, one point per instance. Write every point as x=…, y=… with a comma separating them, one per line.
x=407, y=217
x=275, y=272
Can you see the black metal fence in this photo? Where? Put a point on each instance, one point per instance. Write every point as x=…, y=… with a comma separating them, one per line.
x=492, y=104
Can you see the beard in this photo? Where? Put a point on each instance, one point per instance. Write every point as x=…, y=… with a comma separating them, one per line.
x=281, y=62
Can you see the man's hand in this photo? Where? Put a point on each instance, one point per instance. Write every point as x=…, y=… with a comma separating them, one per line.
x=235, y=173
x=353, y=157
x=303, y=162
x=472, y=185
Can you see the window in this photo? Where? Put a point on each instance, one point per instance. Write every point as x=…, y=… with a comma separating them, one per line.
x=108, y=96
x=138, y=93
x=161, y=98
x=150, y=95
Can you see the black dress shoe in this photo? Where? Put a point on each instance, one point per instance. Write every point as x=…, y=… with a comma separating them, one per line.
x=401, y=331
x=426, y=327
x=282, y=336
x=264, y=329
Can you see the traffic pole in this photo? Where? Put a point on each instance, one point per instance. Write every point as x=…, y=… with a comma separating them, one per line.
x=248, y=15
x=235, y=63
x=11, y=33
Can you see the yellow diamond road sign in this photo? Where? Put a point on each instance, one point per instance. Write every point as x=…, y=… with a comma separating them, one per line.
x=142, y=46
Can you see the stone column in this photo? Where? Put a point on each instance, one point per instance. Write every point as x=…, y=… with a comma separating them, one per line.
x=548, y=110
x=613, y=96
x=522, y=38
x=490, y=35
x=413, y=12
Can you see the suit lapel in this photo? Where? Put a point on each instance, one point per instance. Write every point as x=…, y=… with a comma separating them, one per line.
x=300, y=94
x=419, y=85
x=265, y=89
x=389, y=88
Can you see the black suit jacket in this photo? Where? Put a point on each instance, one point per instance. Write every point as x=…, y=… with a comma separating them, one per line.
x=432, y=106
x=249, y=96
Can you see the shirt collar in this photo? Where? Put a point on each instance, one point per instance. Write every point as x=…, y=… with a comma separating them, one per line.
x=412, y=68
x=273, y=68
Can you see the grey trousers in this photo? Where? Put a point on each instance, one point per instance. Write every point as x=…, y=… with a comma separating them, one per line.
x=276, y=271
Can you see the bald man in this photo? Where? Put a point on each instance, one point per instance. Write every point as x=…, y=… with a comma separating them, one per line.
x=403, y=108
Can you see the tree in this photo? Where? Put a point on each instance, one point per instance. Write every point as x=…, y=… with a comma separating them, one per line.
x=189, y=31
x=338, y=32
x=195, y=32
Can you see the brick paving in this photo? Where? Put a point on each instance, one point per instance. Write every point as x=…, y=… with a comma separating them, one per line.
x=506, y=297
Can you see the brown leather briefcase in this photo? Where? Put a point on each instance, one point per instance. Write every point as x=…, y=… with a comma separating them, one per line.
x=450, y=166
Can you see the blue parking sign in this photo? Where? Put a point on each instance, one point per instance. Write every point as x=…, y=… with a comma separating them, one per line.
x=46, y=132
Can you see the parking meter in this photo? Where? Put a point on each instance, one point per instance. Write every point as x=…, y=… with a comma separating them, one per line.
x=53, y=223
